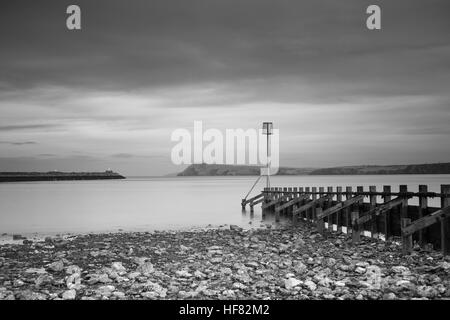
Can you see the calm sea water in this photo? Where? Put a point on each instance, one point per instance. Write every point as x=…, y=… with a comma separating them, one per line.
x=158, y=203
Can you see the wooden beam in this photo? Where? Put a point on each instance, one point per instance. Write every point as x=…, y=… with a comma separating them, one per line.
x=257, y=201
x=310, y=204
x=252, y=199
x=291, y=202
x=380, y=209
x=340, y=206
x=426, y=221
x=273, y=202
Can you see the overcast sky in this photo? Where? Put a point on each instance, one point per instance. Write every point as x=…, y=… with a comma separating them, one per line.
x=110, y=95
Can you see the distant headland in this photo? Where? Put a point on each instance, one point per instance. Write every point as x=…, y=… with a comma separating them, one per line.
x=57, y=176
x=242, y=170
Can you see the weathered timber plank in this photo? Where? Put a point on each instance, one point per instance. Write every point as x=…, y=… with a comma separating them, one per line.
x=257, y=201
x=340, y=206
x=380, y=209
x=291, y=202
x=252, y=199
x=273, y=202
x=311, y=204
x=427, y=221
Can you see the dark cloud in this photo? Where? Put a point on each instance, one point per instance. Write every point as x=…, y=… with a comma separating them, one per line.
x=122, y=155
x=139, y=69
x=47, y=155
x=151, y=44
x=21, y=127
x=18, y=143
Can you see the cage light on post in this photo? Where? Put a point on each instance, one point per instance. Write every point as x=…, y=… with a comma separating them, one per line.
x=268, y=131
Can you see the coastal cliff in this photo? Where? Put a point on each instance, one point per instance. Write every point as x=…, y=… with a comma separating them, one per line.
x=235, y=170
x=433, y=168
x=241, y=170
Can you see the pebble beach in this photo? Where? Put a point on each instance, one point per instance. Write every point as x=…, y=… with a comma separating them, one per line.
x=224, y=263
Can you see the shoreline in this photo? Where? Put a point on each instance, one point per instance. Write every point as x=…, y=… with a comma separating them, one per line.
x=224, y=263
x=36, y=236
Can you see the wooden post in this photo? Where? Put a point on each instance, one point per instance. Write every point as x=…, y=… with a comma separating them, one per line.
x=301, y=192
x=445, y=222
x=373, y=204
x=423, y=211
x=313, y=197
x=339, y=213
x=308, y=212
x=360, y=205
x=347, y=212
x=387, y=216
x=330, y=217
x=277, y=216
x=320, y=222
x=294, y=195
x=406, y=241
x=404, y=207
x=321, y=191
x=290, y=197
x=294, y=219
x=356, y=233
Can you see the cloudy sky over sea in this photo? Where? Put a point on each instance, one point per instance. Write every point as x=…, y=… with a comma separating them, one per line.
x=110, y=95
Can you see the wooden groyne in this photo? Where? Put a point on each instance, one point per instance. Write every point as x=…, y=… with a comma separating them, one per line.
x=358, y=213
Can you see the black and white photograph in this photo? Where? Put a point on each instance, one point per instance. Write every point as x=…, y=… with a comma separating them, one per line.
x=235, y=152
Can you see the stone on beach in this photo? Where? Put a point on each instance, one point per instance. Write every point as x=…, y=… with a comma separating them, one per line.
x=291, y=283
x=69, y=294
x=56, y=266
x=146, y=268
x=276, y=263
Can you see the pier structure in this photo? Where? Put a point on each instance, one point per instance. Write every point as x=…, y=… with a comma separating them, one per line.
x=359, y=213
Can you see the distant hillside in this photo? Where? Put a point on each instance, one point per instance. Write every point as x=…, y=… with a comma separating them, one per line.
x=235, y=170
x=240, y=170
x=434, y=168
